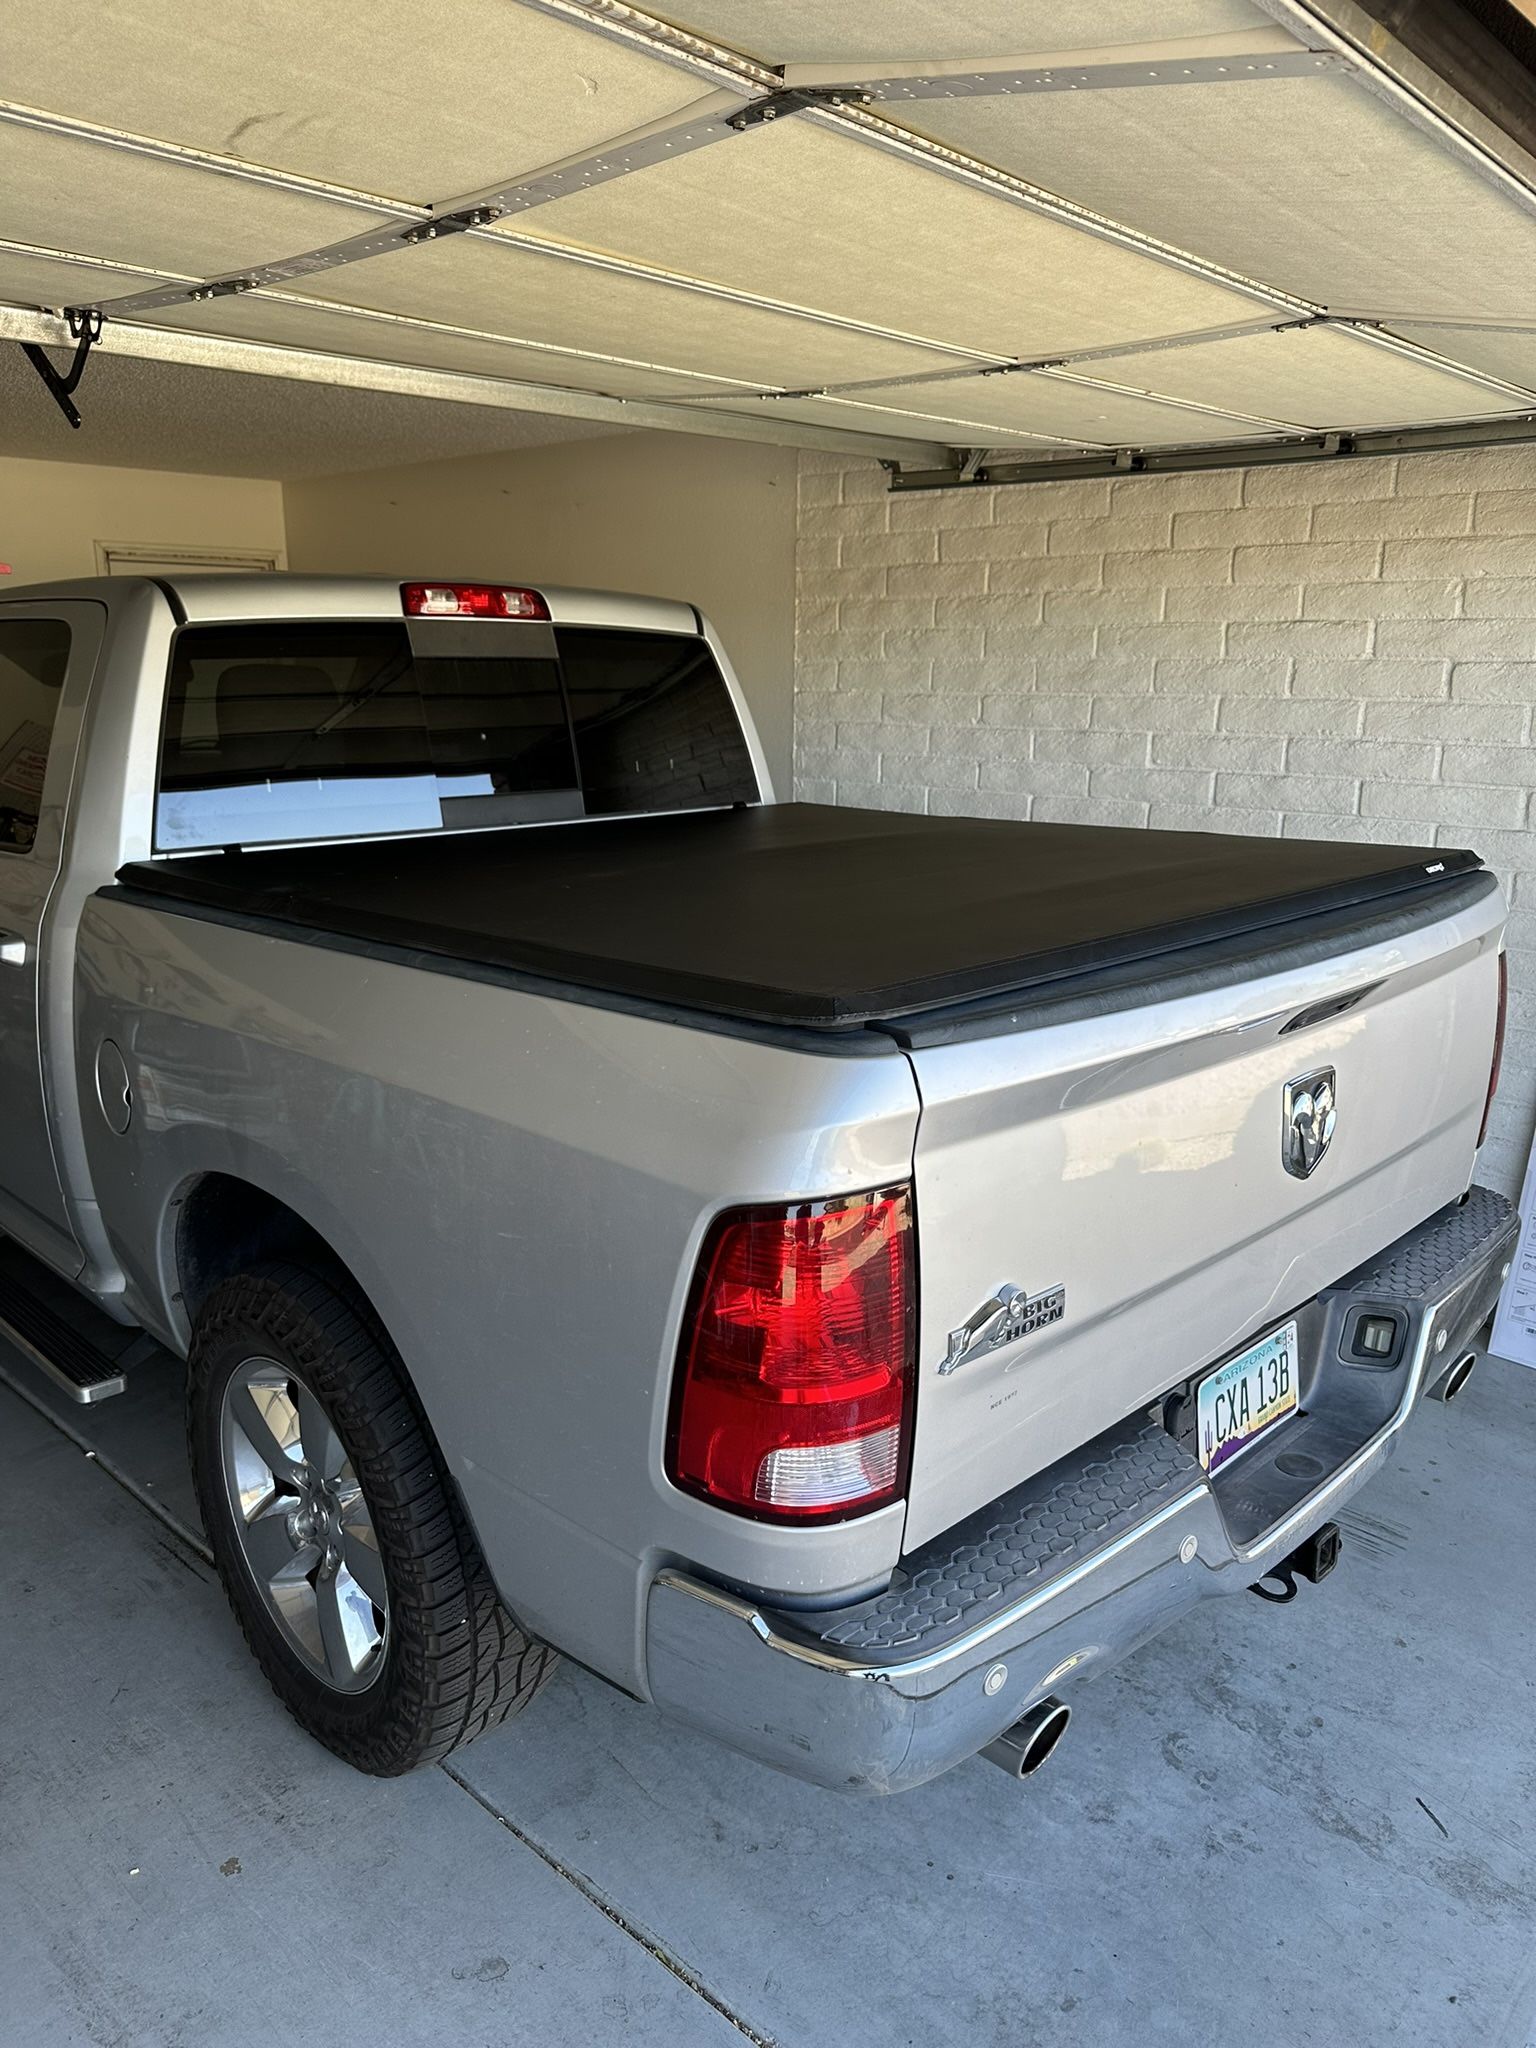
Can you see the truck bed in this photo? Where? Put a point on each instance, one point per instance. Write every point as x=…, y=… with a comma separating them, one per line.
x=802, y=915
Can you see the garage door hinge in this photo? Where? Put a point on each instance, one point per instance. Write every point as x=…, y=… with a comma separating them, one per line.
x=453, y=223
x=224, y=288
x=85, y=325
x=799, y=99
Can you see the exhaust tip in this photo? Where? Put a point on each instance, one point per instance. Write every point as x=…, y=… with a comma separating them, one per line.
x=1456, y=1379
x=1023, y=1748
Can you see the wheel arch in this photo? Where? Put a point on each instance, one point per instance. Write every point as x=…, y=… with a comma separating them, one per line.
x=222, y=1218
x=220, y=1224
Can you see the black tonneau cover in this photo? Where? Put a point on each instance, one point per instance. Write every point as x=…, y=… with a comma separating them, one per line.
x=798, y=914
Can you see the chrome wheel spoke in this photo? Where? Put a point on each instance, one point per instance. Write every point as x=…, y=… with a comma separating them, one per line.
x=251, y=1418
x=268, y=1545
x=349, y=1626
x=295, y=1605
x=320, y=1446
x=360, y=1553
x=333, y=1628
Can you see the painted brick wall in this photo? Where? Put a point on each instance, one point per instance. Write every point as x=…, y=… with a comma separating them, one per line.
x=1345, y=651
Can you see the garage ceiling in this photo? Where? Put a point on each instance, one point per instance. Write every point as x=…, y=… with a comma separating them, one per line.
x=1024, y=228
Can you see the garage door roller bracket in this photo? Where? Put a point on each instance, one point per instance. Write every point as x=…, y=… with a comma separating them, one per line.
x=85, y=326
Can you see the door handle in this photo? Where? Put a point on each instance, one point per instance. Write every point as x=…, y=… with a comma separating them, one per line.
x=13, y=949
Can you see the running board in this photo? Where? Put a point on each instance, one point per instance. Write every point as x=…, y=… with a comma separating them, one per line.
x=82, y=1351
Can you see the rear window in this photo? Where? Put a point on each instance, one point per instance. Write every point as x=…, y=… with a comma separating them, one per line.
x=322, y=731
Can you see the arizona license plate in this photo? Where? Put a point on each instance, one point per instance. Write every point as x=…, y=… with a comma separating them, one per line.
x=1246, y=1396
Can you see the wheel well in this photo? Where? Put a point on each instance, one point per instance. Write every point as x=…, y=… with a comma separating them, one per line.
x=225, y=1225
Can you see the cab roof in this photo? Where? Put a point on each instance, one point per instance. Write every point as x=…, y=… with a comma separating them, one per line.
x=207, y=597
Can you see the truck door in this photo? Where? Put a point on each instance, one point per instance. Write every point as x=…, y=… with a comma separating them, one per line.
x=47, y=654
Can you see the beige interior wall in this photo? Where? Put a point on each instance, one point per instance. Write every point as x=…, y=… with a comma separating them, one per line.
x=712, y=522
x=52, y=514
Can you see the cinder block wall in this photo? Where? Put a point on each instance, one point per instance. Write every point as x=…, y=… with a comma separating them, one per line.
x=1339, y=651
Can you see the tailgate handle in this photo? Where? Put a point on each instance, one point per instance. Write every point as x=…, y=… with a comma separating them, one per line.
x=1335, y=1006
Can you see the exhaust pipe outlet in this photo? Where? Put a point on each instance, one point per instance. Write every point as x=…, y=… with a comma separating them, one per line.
x=1023, y=1748
x=1456, y=1379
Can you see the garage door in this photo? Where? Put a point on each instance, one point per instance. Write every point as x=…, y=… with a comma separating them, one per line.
x=1016, y=227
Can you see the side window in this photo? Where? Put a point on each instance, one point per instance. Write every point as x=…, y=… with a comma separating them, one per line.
x=33, y=656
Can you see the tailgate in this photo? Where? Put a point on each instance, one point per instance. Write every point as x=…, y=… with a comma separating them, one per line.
x=1129, y=1150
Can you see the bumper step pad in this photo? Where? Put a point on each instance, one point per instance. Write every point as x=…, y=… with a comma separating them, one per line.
x=1427, y=1264
x=1019, y=1542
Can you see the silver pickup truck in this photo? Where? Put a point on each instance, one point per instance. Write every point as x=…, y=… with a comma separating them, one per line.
x=845, y=1278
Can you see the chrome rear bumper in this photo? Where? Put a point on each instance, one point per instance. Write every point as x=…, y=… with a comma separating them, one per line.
x=884, y=1695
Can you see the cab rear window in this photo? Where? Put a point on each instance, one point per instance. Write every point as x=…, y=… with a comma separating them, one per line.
x=352, y=729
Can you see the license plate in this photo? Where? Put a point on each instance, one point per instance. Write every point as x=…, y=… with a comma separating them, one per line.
x=1246, y=1396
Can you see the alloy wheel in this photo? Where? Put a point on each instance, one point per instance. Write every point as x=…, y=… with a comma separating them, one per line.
x=303, y=1527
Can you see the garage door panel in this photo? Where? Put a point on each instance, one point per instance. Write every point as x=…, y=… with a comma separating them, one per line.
x=134, y=210
x=1040, y=408
x=828, y=31
x=870, y=266
x=255, y=317
x=801, y=213
x=1316, y=377
x=501, y=288
x=882, y=416
x=1087, y=413
x=1310, y=184
x=432, y=106
x=1509, y=354
x=29, y=280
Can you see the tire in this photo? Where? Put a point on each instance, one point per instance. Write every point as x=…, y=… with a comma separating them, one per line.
x=410, y=1656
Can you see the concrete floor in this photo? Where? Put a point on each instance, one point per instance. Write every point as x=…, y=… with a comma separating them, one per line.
x=1302, y=1824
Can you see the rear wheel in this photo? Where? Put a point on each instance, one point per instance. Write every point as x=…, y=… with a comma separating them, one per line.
x=341, y=1545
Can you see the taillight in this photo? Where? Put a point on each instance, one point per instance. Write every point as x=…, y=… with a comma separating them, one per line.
x=471, y=601
x=1498, y=1046
x=793, y=1400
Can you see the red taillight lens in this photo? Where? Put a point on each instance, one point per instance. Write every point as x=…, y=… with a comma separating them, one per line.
x=471, y=601
x=794, y=1392
x=1498, y=1046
